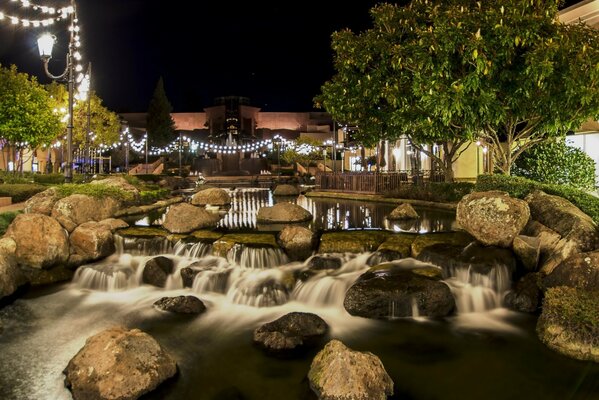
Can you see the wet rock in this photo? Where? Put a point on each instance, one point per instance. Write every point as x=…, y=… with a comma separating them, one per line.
x=298, y=242
x=157, y=270
x=77, y=209
x=528, y=250
x=352, y=241
x=569, y=323
x=398, y=244
x=91, y=241
x=383, y=256
x=42, y=203
x=188, y=275
x=43, y=277
x=282, y=213
x=579, y=233
x=403, y=211
x=394, y=289
x=41, y=241
x=286, y=190
x=120, y=183
x=114, y=224
x=449, y=238
x=548, y=238
x=291, y=331
x=211, y=196
x=526, y=295
x=579, y=271
x=215, y=274
x=185, y=218
x=181, y=305
x=339, y=373
x=324, y=261
x=118, y=364
x=493, y=218
x=483, y=259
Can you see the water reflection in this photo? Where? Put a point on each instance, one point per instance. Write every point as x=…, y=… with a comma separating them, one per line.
x=329, y=214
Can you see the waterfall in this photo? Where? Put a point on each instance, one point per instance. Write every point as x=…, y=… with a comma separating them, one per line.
x=476, y=292
x=256, y=257
x=105, y=277
x=142, y=246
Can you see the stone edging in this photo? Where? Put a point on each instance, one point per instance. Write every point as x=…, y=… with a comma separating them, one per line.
x=380, y=199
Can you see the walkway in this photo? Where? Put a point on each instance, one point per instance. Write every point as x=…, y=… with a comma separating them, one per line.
x=13, y=207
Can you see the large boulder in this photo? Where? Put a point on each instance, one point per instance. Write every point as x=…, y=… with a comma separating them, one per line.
x=548, y=238
x=400, y=289
x=181, y=305
x=403, y=211
x=114, y=224
x=121, y=183
x=157, y=270
x=493, y=218
x=41, y=241
x=91, y=241
x=340, y=373
x=286, y=190
x=10, y=275
x=528, y=250
x=579, y=233
x=118, y=364
x=43, y=202
x=579, y=271
x=211, y=196
x=185, y=218
x=569, y=323
x=76, y=209
x=291, y=331
x=282, y=213
x=298, y=242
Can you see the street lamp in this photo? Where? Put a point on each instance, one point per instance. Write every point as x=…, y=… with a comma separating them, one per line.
x=45, y=44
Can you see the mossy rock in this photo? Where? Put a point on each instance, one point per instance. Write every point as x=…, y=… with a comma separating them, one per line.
x=352, y=242
x=393, y=267
x=225, y=243
x=450, y=238
x=569, y=323
x=143, y=232
x=175, y=237
x=205, y=235
x=400, y=243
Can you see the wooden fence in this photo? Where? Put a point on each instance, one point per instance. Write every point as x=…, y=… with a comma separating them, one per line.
x=372, y=182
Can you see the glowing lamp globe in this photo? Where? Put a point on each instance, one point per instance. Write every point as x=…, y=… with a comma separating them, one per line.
x=45, y=44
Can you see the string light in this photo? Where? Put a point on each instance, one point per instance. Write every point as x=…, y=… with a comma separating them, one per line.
x=61, y=14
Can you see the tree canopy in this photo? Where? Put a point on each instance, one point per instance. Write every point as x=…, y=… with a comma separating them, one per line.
x=26, y=112
x=507, y=72
x=160, y=124
x=104, y=124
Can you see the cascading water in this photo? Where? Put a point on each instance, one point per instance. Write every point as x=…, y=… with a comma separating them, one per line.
x=137, y=246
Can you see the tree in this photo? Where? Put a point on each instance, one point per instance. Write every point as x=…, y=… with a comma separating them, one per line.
x=27, y=119
x=556, y=162
x=507, y=71
x=305, y=150
x=104, y=124
x=160, y=124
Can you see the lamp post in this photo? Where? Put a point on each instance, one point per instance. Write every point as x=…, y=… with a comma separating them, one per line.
x=180, y=164
x=478, y=158
x=146, y=140
x=45, y=44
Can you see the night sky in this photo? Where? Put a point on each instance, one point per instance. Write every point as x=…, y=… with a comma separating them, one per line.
x=277, y=54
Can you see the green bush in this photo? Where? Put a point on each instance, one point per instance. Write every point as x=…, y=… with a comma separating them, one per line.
x=49, y=179
x=520, y=187
x=98, y=191
x=13, y=177
x=152, y=196
x=20, y=191
x=5, y=219
x=557, y=163
x=447, y=192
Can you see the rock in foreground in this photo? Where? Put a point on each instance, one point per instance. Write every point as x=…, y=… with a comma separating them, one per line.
x=118, y=364
x=282, y=213
x=291, y=331
x=185, y=218
x=340, y=373
x=181, y=305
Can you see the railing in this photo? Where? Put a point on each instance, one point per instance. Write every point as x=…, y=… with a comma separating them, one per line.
x=370, y=182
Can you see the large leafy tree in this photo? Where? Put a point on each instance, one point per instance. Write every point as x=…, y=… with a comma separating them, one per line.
x=27, y=119
x=160, y=124
x=447, y=72
x=507, y=71
x=104, y=124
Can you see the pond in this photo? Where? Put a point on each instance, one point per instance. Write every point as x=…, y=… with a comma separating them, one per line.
x=483, y=352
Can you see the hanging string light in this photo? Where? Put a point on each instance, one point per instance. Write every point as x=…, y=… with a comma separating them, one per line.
x=57, y=14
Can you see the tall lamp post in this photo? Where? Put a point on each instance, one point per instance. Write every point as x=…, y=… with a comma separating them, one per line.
x=45, y=44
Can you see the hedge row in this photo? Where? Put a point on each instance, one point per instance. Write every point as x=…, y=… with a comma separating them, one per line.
x=520, y=187
x=20, y=191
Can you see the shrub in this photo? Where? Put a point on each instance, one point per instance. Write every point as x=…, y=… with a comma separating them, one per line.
x=520, y=187
x=49, y=179
x=433, y=191
x=5, y=219
x=20, y=191
x=557, y=163
x=12, y=177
